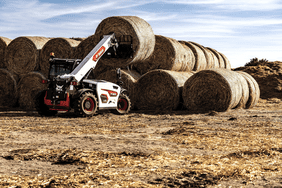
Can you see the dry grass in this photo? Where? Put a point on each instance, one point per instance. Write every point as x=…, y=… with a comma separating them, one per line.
x=238, y=146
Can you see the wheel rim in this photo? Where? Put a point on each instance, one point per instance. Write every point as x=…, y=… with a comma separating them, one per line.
x=122, y=104
x=89, y=104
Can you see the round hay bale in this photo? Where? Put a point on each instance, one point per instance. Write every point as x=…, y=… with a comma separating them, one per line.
x=141, y=32
x=4, y=42
x=28, y=87
x=218, y=57
x=160, y=90
x=169, y=54
x=212, y=90
x=209, y=58
x=8, y=89
x=254, y=91
x=62, y=47
x=226, y=61
x=214, y=61
x=245, y=91
x=23, y=54
x=200, y=58
x=85, y=47
x=128, y=77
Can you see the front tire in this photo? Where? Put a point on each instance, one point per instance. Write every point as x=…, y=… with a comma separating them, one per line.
x=86, y=105
x=42, y=108
x=124, y=105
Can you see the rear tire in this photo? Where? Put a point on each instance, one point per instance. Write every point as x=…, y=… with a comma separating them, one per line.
x=123, y=106
x=86, y=105
x=42, y=108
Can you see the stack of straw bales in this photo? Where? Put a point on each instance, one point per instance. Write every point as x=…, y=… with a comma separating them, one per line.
x=161, y=75
x=220, y=90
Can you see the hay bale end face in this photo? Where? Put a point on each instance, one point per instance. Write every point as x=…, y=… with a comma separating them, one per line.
x=85, y=46
x=128, y=77
x=212, y=90
x=23, y=54
x=160, y=90
x=200, y=58
x=141, y=32
x=62, y=47
x=8, y=89
x=4, y=42
x=28, y=87
x=254, y=91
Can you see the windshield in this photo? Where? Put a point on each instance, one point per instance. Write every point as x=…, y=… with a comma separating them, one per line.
x=59, y=69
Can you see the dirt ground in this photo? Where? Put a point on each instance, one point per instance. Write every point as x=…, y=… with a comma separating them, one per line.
x=241, y=147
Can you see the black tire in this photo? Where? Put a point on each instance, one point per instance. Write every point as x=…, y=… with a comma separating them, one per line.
x=124, y=105
x=42, y=108
x=86, y=105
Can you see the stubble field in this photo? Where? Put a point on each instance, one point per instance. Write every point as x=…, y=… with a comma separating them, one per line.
x=143, y=149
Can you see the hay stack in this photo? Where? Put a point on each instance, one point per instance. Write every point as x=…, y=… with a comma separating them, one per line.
x=209, y=60
x=218, y=57
x=213, y=89
x=169, y=54
x=212, y=58
x=8, y=89
x=62, y=47
x=28, y=86
x=4, y=42
x=200, y=58
x=128, y=77
x=23, y=54
x=142, y=36
x=226, y=61
x=254, y=91
x=160, y=89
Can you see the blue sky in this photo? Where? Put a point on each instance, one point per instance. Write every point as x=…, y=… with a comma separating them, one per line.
x=241, y=29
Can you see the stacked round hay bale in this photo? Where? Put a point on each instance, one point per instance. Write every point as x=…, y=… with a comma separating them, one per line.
x=22, y=55
x=254, y=91
x=160, y=90
x=8, y=89
x=129, y=79
x=219, y=58
x=226, y=61
x=215, y=90
x=143, y=38
x=84, y=48
x=28, y=87
x=62, y=47
x=169, y=54
x=4, y=42
x=200, y=58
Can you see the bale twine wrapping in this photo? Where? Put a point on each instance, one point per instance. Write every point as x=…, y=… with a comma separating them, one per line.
x=62, y=47
x=169, y=54
x=4, y=42
x=254, y=91
x=23, y=54
x=128, y=77
x=28, y=87
x=218, y=57
x=200, y=58
x=213, y=89
x=141, y=32
x=160, y=90
x=8, y=89
x=226, y=61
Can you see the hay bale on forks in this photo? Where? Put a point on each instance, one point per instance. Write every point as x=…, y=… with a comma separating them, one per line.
x=8, y=89
x=169, y=54
x=254, y=91
x=4, y=42
x=141, y=32
x=23, y=54
x=160, y=90
x=214, y=89
x=28, y=87
x=128, y=77
x=62, y=47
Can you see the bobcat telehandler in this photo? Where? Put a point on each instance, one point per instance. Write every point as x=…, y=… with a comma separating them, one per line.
x=70, y=89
